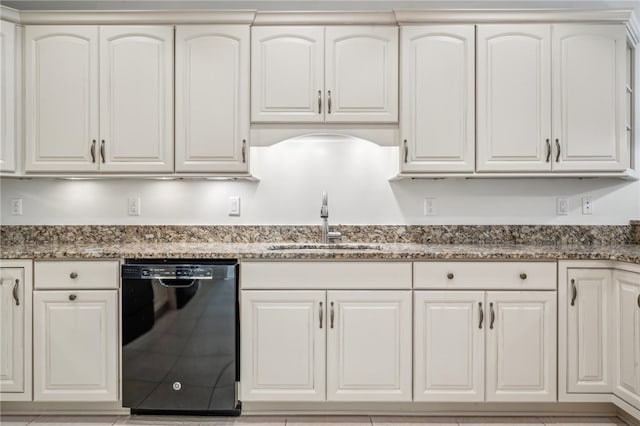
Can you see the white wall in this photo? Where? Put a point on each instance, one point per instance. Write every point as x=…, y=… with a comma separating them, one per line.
x=292, y=176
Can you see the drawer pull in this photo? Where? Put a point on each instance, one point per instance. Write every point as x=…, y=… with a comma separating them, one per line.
x=72, y=297
x=15, y=292
x=331, y=315
x=638, y=300
x=574, y=292
x=73, y=275
x=320, y=314
x=523, y=276
x=493, y=315
x=481, y=315
x=450, y=275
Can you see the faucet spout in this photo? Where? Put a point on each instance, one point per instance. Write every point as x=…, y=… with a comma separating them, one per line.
x=324, y=215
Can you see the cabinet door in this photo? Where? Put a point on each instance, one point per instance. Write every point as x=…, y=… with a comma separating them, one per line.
x=8, y=140
x=283, y=345
x=521, y=346
x=588, y=330
x=287, y=74
x=627, y=336
x=361, y=74
x=61, y=98
x=448, y=348
x=212, y=98
x=75, y=345
x=514, y=98
x=15, y=332
x=136, y=99
x=438, y=98
x=369, y=346
x=588, y=97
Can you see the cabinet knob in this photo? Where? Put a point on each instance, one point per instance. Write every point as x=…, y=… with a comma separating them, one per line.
x=73, y=275
x=450, y=275
x=523, y=276
x=72, y=297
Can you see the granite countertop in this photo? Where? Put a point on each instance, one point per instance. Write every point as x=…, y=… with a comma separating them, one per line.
x=381, y=251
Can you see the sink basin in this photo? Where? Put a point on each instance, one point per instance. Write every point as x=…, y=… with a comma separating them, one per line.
x=318, y=246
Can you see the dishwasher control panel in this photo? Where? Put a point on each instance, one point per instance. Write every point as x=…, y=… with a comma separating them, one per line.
x=168, y=272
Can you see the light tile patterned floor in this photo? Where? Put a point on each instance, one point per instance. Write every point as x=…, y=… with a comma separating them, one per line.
x=304, y=421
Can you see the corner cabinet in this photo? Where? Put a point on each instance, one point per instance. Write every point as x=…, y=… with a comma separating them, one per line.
x=627, y=336
x=437, y=123
x=314, y=74
x=212, y=98
x=551, y=98
x=15, y=330
x=98, y=99
x=314, y=344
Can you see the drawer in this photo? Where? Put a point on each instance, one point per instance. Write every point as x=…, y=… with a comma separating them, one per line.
x=325, y=275
x=63, y=274
x=485, y=275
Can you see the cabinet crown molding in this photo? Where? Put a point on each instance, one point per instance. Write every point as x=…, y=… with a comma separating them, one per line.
x=326, y=18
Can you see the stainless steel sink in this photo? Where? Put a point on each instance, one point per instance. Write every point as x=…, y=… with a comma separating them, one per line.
x=318, y=246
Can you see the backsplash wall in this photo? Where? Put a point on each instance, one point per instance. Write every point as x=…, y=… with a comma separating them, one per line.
x=292, y=176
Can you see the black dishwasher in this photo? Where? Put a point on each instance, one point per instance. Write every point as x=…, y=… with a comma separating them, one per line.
x=180, y=341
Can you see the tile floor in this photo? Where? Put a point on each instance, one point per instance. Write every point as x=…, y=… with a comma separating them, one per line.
x=304, y=421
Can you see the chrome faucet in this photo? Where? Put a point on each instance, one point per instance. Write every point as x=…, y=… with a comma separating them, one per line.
x=327, y=235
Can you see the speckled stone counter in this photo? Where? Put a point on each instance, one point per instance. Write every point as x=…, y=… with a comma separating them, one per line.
x=412, y=242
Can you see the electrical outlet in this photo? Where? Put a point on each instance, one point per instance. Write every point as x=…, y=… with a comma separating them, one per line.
x=430, y=207
x=16, y=207
x=587, y=205
x=234, y=206
x=562, y=206
x=133, y=206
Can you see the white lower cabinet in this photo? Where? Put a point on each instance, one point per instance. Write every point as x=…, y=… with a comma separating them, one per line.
x=626, y=309
x=15, y=330
x=284, y=357
x=477, y=346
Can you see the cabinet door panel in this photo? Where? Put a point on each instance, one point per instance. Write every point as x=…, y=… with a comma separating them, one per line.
x=369, y=346
x=283, y=345
x=212, y=98
x=627, y=336
x=588, y=97
x=287, y=74
x=514, y=98
x=438, y=84
x=61, y=98
x=521, y=346
x=136, y=98
x=75, y=345
x=588, y=336
x=12, y=329
x=449, y=346
x=8, y=140
x=361, y=74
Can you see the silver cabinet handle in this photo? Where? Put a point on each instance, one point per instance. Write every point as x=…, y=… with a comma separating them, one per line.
x=73, y=275
x=574, y=292
x=523, y=276
x=15, y=292
x=244, y=150
x=331, y=315
x=481, y=315
x=319, y=101
x=493, y=316
x=548, y=150
x=329, y=102
x=72, y=297
x=450, y=276
x=102, y=154
x=558, y=150
x=93, y=151
x=406, y=151
x=320, y=314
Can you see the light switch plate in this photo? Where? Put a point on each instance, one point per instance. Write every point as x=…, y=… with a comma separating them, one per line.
x=133, y=206
x=234, y=206
x=562, y=206
x=16, y=207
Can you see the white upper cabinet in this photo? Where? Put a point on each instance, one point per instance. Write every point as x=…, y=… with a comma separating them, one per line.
x=626, y=321
x=287, y=74
x=514, y=98
x=121, y=121
x=324, y=74
x=61, y=98
x=589, y=97
x=136, y=99
x=437, y=123
x=212, y=98
x=8, y=141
